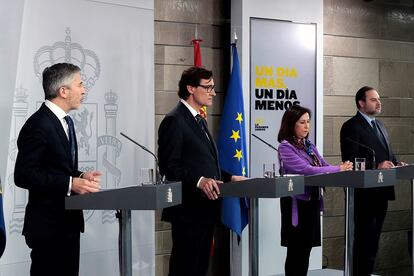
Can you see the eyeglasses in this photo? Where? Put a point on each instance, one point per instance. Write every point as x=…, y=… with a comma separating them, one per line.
x=208, y=88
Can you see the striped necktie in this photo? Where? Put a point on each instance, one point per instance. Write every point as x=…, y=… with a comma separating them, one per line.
x=202, y=122
x=71, y=134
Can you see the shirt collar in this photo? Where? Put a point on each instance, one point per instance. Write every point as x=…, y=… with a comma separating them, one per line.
x=368, y=118
x=192, y=110
x=59, y=112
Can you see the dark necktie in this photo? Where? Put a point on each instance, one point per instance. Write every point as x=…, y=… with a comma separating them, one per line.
x=378, y=133
x=203, y=125
x=71, y=134
x=202, y=122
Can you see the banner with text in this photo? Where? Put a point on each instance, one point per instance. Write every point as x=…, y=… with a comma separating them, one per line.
x=282, y=74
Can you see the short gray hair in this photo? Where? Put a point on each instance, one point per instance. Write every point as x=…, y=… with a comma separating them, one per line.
x=56, y=76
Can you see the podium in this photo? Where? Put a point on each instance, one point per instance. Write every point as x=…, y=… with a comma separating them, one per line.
x=254, y=189
x=404, y=173
x=351, y=180
x=149, y=197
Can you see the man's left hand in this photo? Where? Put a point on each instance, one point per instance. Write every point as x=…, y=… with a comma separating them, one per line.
x=210, y=187
x=92, y=176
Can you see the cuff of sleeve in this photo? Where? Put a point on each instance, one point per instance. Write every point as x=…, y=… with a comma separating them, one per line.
x=70, y=186
x=198, y=183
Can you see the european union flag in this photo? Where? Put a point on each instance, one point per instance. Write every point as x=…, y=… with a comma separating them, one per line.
x=232, y=147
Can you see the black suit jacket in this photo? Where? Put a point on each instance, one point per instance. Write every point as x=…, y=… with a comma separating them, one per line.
x=185, y=154
x=43, y=166
x=358, y=129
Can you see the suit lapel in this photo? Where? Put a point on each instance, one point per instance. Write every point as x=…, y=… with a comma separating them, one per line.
x=370, y=132
x=212, y=143
x=213, y=149
x=384, y=133
x=76, y=153
x=60, y=132
x=191, y=121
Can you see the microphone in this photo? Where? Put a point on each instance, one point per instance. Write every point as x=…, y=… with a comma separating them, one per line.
x=266, y=143
x=364, y=146
x=272, y=147
x=158, y=178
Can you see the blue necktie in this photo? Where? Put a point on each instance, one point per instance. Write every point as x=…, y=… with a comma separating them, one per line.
x=71, y=134
x=378, y=133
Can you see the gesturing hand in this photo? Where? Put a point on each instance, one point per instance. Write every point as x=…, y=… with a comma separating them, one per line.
x=88, y=183
x=92, y=176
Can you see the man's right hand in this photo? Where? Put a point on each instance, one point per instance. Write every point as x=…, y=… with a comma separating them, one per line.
x=84, y=186
x=346, y=166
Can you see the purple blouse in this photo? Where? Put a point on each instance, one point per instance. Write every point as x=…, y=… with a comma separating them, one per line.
x=296, y=161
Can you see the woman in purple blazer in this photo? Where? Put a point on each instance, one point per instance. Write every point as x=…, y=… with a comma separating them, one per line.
x=301, y=213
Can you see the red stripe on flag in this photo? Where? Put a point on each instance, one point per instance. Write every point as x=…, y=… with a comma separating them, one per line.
x=197, y=53
x=199, y=63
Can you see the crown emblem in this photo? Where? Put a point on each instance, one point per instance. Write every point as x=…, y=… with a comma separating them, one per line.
x=70, y=52
x=111, y=97
x=21, y=95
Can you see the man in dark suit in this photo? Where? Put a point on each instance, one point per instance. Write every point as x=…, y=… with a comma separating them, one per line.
x=187, y=153
x=370, y=204
x=46, y=165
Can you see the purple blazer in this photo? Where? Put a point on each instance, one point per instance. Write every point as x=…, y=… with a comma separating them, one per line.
x=296, y=161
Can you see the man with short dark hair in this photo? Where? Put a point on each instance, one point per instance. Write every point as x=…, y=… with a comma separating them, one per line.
x=187, y=153
x=370, y=204
x=47, y=166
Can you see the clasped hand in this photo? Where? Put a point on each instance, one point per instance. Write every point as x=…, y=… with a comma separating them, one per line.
x=87, y=183
x=346, y=166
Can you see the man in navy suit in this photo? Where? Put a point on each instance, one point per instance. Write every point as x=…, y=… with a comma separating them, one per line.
x=187, y=153
x=46, y=166
x=370, y=204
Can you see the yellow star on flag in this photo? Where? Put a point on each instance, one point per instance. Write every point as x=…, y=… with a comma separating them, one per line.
x=235, y=135
x=239, y=117
x=238, y=155
x=244, y=171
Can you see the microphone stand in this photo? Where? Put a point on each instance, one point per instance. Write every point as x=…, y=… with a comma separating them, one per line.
x=274, y=148
x=254, y=221
x=366, y=147
x=124, y=216
x=349, y=216
x=158, y=178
